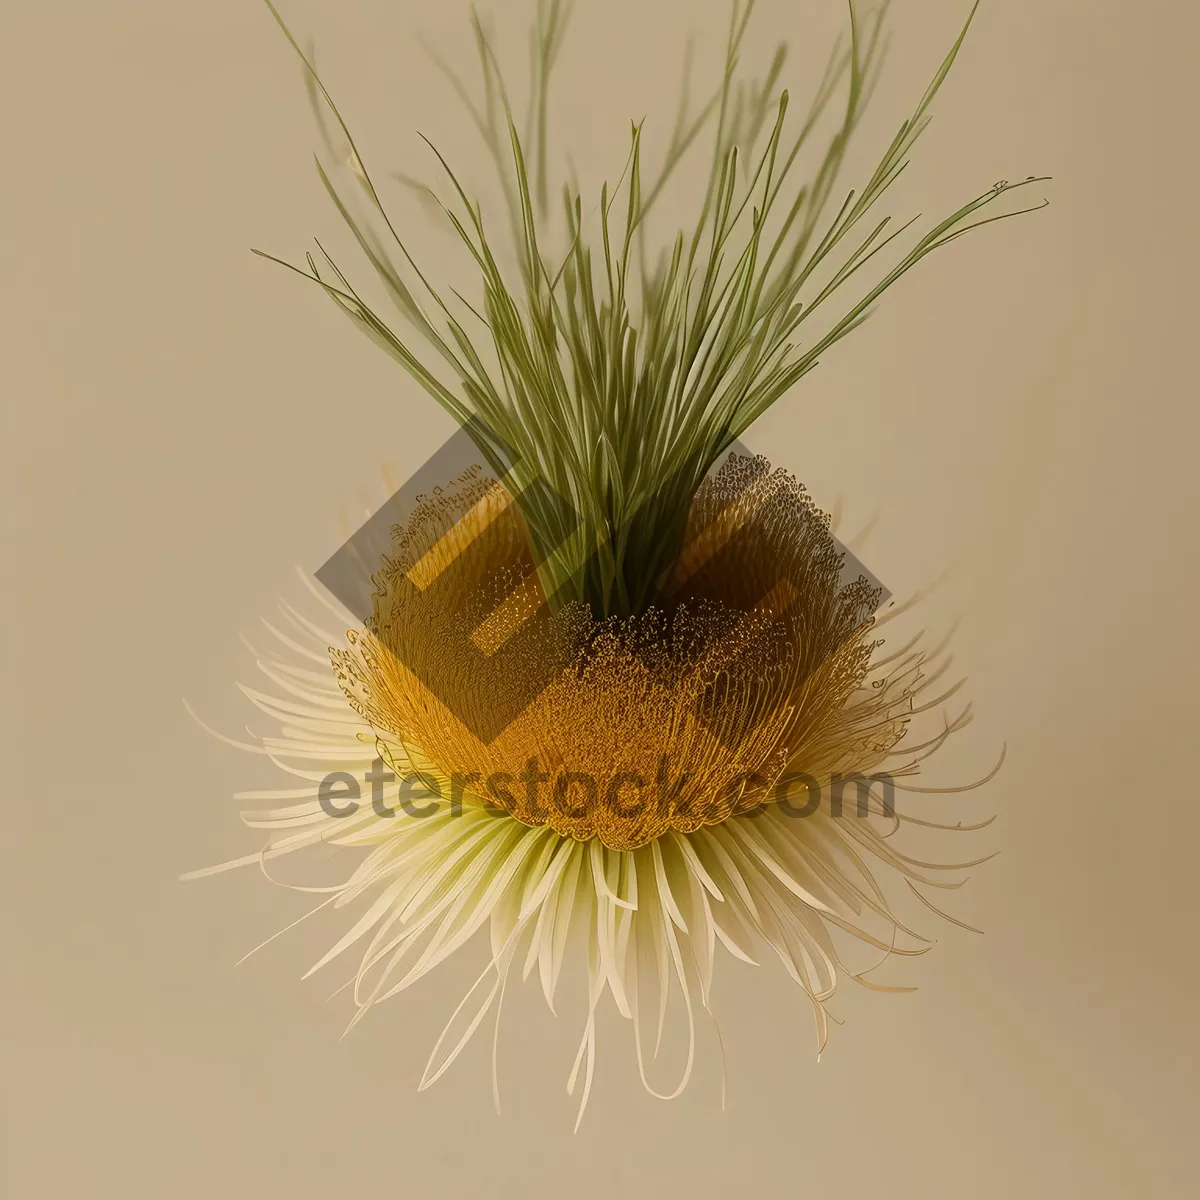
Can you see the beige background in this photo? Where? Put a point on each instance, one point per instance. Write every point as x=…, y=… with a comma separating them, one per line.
x=182, y=423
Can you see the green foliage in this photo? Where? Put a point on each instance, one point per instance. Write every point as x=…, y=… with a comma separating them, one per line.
x=617, y=383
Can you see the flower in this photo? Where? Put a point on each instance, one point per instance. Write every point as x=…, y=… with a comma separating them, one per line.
x=649, y=889
x=601, y=670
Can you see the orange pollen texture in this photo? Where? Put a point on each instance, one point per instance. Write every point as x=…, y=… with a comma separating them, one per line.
x=750, y=668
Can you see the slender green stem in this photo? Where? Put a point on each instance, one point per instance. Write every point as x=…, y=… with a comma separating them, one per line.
x=619, y=393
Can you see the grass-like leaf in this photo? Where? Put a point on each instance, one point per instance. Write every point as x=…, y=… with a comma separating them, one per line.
x=615, y=382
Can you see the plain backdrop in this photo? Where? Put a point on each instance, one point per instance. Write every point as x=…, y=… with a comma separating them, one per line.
x=184, y=425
